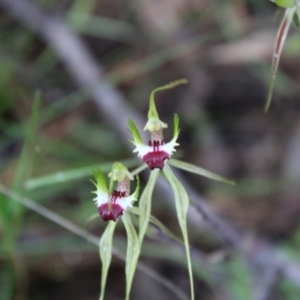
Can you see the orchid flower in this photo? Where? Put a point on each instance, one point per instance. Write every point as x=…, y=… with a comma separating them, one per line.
x=292, y=14
x=112, y=204
x=156, y=151
x=156, y=154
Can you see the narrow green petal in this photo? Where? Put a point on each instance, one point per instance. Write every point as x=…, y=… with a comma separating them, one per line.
x=133, y=252
x=199, y=171
x=164, y=229
x=137, y=189
x=181, y=203
x=145, y=204
x=279, y=42
x=134, y=132
x=100, y=180
x=105, y=249
x=176, y=129
x=134, y=210
x=152, y=113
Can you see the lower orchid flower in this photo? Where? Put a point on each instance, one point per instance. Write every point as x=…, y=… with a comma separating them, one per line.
x=113, y=203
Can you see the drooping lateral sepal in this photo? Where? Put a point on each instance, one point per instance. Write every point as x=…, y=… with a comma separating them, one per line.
x=105, y=251
x=181, y=203
x=133, y=252
x=145, y=204
x=199, y=171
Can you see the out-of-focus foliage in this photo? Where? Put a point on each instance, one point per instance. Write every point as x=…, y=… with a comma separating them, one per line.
x=224, y=49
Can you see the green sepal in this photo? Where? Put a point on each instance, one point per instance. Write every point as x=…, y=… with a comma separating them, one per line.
x=137, y=189
x=152, y=113
x=133, y=252
x=181, y=203
x=100, y=182
x=176, y=128
x=285, y=3
x=199, y=171
x=145, y=204
x=134, y=132
x=105, y=250
x=119, y=172
x=157, y=223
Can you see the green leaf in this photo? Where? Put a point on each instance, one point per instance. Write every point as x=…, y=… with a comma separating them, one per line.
x=152, y=113
x=134, y=132
x=285, y=3
x=105, y=250
x=145, y=204
x=197, y=170
x=133, y=252
x=181, y=203
x=279, y=42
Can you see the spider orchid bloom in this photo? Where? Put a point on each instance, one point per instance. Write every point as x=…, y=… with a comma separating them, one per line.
x=157, y=151
x=112, y=203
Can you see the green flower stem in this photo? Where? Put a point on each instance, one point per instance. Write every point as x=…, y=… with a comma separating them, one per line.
x=105, y=250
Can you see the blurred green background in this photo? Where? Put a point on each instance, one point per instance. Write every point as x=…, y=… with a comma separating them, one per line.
x=53, y=132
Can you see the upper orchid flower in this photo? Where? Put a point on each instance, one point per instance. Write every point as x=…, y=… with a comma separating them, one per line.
x=111, y=202
x=157, y=151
